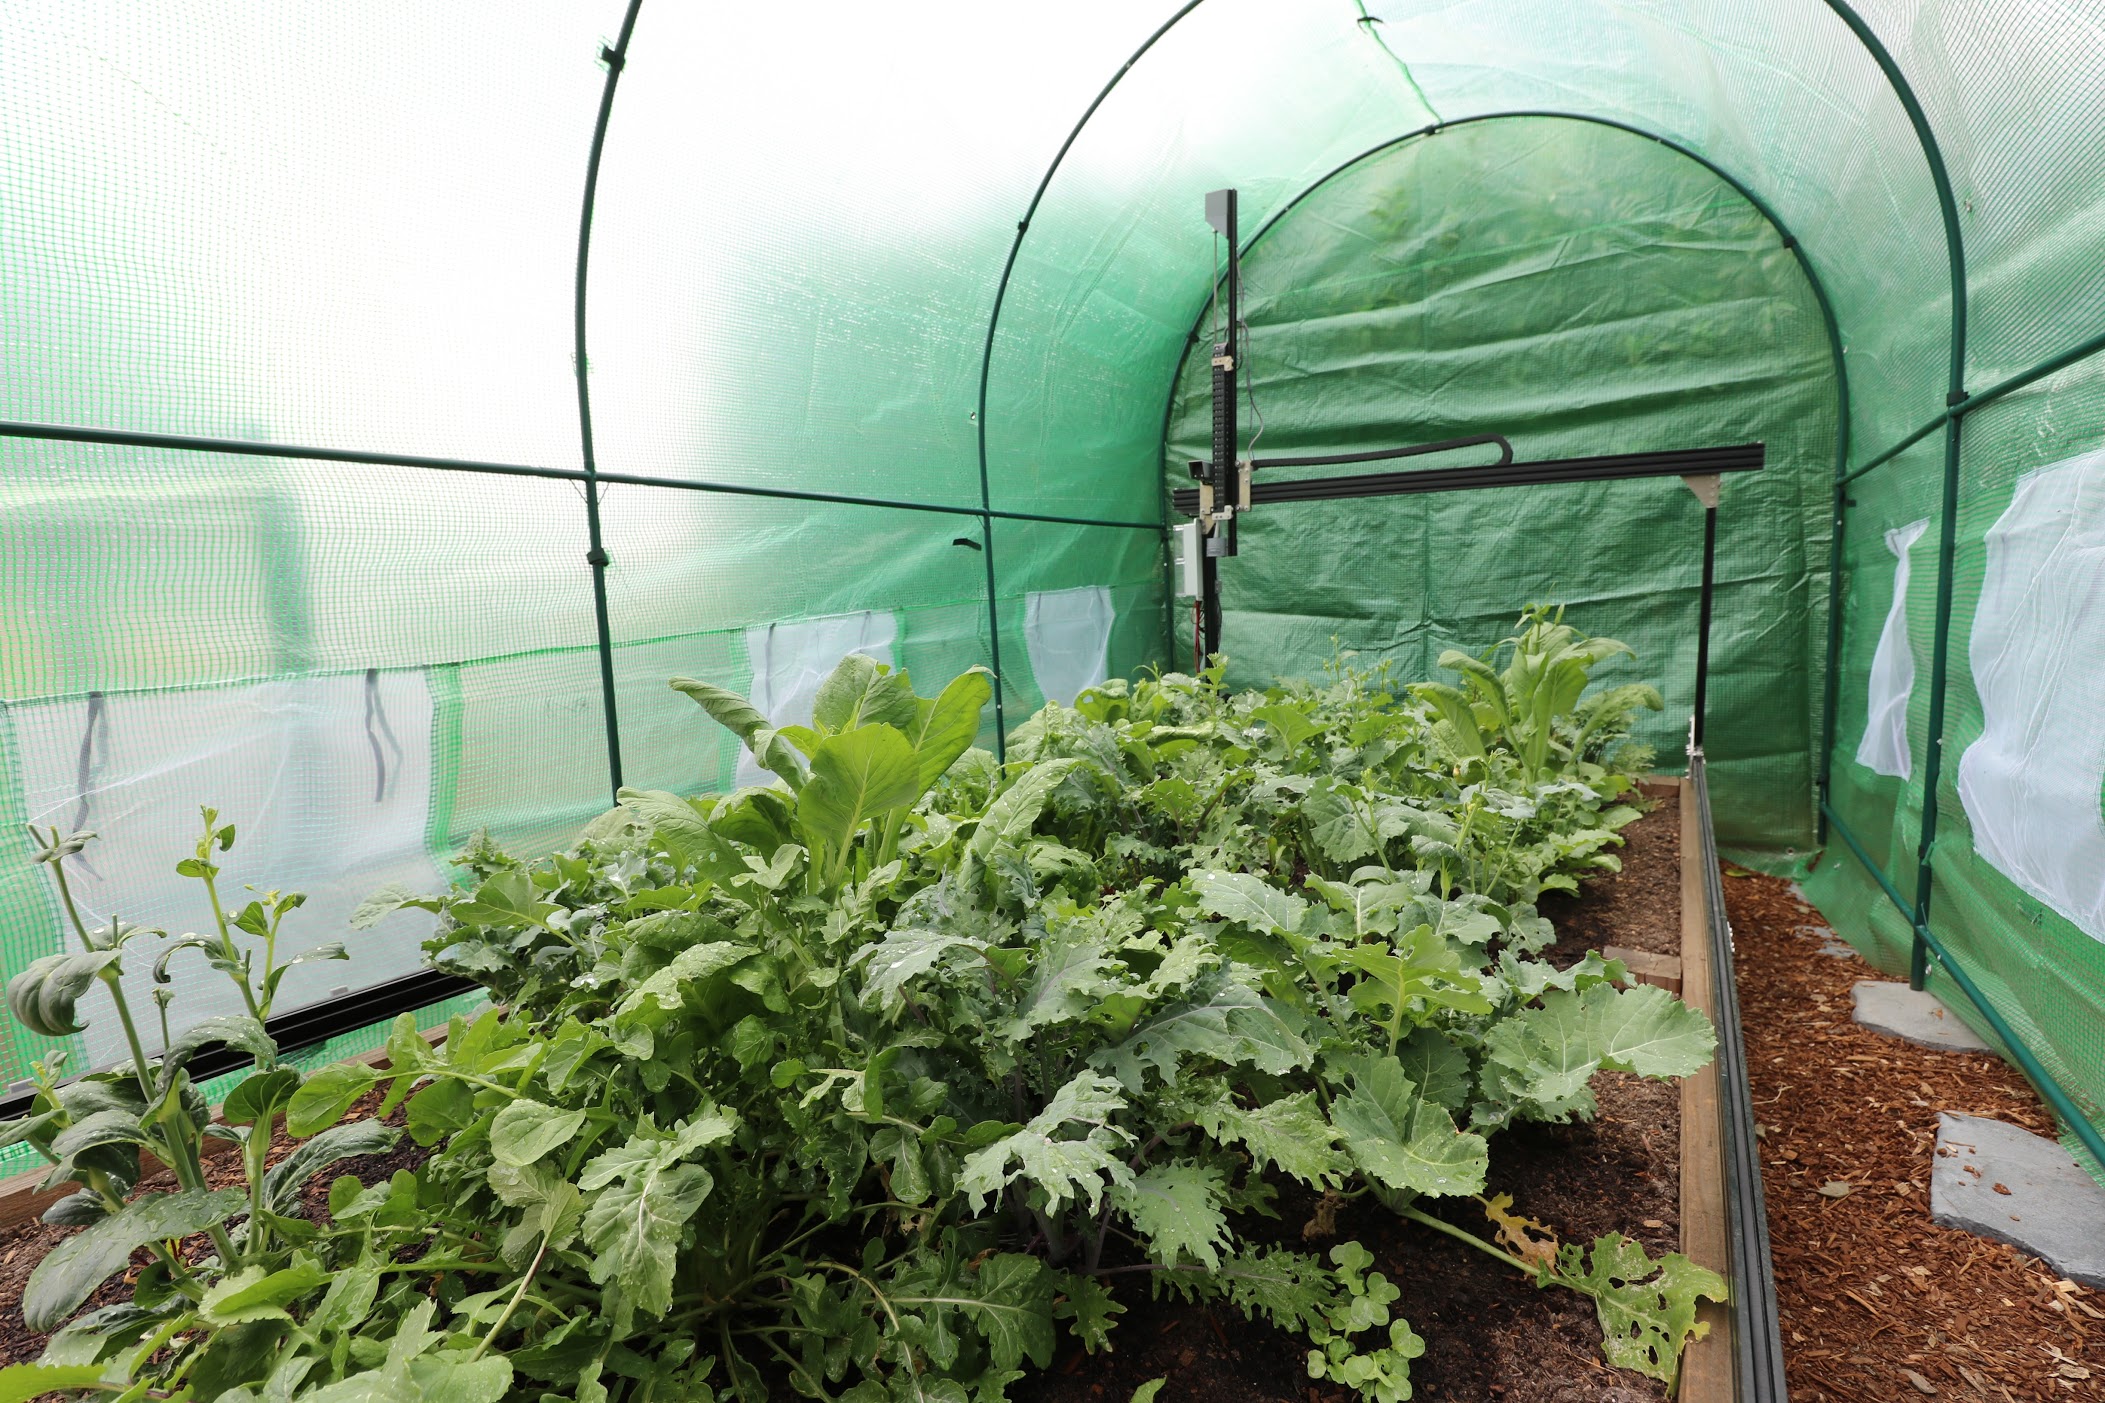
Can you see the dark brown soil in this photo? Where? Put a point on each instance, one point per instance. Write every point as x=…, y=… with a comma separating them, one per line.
x=1871, y=1290
x=1635, y=908
x=24, y=1245
x=1490, y=1333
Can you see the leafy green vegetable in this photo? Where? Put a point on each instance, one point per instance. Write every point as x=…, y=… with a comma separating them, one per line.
x=873, y=1080
x=1647, y=1309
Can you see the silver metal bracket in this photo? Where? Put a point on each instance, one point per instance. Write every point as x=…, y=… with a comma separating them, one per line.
x=1705, y=486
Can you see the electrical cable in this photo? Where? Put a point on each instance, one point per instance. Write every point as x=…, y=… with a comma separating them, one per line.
x=1242, y=355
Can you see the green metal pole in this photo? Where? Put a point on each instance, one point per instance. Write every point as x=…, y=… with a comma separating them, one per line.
x=2082, y=350
x=2073, y=1116
x=254, y=448
x=1940, y=650
x=986, y=359
x=1947, y=534
x=616, y=58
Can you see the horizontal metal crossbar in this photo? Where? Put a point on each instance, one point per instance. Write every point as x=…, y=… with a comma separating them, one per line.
x=1747, y=457
x=1980, y=399
x=123, y=438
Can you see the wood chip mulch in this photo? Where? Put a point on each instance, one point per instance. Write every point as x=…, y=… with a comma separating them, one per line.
x=1877, y=1301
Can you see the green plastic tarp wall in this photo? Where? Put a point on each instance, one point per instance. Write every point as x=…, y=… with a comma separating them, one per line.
x=878, y=255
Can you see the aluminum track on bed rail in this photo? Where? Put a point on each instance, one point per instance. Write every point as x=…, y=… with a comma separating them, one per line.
x=1757, y=1332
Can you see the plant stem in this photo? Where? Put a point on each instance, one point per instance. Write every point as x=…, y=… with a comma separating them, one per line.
x=65, y=891
x=513, y=1304
x=868, y=1285
x=1419, y=1215
x=270, y=960
x=131, y=1033
x=226, y=939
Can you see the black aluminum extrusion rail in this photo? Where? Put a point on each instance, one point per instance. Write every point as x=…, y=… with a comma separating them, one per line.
x=1757, y=1330
x=312, y=1025
x=1324, y=460
x=1747, y=457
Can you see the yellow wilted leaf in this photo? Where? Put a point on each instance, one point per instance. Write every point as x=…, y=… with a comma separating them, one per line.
x=1517, y=1233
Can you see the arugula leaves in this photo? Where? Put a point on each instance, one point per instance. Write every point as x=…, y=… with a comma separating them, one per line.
x=874, y=1079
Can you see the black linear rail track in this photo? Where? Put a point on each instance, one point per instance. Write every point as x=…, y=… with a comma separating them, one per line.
x=1757, y=1330
x=1324, y=460
x=313, y=1025
x=1746, y=457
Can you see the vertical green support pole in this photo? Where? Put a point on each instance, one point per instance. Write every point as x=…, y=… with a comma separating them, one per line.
x=986, y=536
x=615, y=57
x=1947, y=536
x=986, y=359
x=1831, y=679
x=1940, y=654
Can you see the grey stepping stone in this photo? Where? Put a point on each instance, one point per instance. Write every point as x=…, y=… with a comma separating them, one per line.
x=1996, y=1181
x=1913, y=1014
x=1831, y=945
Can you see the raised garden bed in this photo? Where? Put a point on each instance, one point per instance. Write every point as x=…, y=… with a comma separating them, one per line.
x=912, y=1076
x=1490, y=1333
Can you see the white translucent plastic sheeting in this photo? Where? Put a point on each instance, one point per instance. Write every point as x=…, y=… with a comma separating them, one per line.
x=2032, y=783
x=327, y=781
x=790, y=660
x=1884, y=748
x=1189, y=582
x=1068, y=635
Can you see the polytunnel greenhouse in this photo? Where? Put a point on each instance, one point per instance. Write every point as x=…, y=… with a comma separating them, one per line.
x=1365, y=699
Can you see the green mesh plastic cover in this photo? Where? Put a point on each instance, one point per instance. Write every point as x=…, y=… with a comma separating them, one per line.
x=356, y=227
x=1585, y=291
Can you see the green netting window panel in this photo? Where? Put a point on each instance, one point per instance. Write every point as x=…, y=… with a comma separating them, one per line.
x=789, y=661
x=1584, y=291
x=1068, y=634
x=1051, y=613
x=351, y=225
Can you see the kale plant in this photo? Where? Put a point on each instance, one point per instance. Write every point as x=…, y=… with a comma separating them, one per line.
x=873, y=1082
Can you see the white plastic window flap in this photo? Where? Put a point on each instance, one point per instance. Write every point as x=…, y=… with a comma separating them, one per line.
x=1884, y=749
x=2032, y=783
x=790, y=660
x=327, y=781
x=1068, y=635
